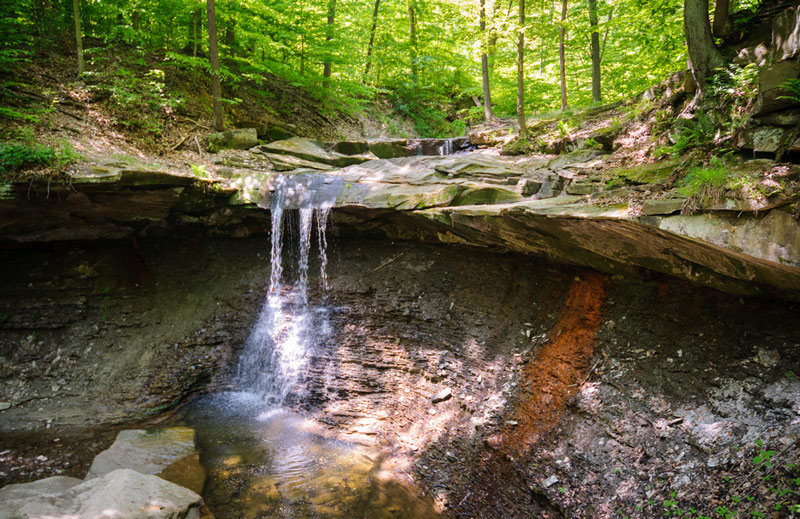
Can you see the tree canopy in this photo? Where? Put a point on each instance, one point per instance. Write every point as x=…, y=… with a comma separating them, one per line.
x=424, y=55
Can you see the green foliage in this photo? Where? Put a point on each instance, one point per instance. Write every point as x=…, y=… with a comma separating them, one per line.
x=793, y=86
x=691, y=133
x=706, y=183
x=23, y=153
x=199, y=170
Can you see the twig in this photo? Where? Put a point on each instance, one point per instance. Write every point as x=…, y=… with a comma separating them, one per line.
x=587, y=375
x=181, y=142
x=199, y=151
x=387, y=262
x=70, y=114
x=196, y=123
x=469, y=493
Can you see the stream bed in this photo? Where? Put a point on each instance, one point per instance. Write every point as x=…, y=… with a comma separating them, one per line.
x=263, y=461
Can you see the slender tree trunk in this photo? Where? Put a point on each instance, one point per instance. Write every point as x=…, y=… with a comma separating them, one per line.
x=562, y=61
x=722, y=19
x=195, y=18
x=703, y=54
x=371, y=39
x=213, y=57
x=523, y=127
x=596, y=98
x=487, y=93
x=230, y=36
x=412, y=29
x=76, y=8
x=327, y=68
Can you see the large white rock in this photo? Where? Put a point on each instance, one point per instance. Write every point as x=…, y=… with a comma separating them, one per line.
x=145, y=451
x=119, y=494
x=168, y=453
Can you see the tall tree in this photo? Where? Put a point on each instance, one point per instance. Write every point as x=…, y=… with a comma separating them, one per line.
x=329, y=29
x=722, y=19
x=76, y=10
x=412, y=29
x=523, y=126
x=487, y=93
x=562, y=60
x=596, y=98
x=703, y=54
x=213, y=57
x=371, y=39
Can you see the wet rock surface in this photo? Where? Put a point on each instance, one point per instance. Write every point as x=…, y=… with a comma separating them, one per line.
x=121, y=493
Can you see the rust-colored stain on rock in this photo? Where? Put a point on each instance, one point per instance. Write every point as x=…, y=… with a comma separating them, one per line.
x=563, y=364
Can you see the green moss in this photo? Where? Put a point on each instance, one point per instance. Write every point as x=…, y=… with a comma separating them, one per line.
x=655, y=173
x=485, y=195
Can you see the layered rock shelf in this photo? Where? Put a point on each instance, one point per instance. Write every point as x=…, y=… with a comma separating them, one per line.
x=562, y=207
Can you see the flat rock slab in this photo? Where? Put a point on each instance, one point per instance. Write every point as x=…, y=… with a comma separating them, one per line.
x=150, y=452
x=119, y=494
x=314, y=151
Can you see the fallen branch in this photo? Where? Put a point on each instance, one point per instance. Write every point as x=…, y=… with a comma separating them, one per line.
x=387, y=262
x=181, y=142
x=195, y=123
x=81, y=119
x=196, y=141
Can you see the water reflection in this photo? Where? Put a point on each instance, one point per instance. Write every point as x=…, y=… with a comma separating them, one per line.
x=270, y=463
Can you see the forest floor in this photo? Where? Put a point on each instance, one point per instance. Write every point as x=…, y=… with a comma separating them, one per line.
x=143, y=109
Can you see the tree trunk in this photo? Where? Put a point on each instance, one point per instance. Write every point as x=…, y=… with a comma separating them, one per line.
x=328, y=37
x=76, y=8
x=213, y=57
x=562, y=61
x=596, y=98
x=412, y=29
x=487, y=93
x=230, y=36
x=371, y=39
x=722, y=19
x=703, y=54
x=523, y=127
x=195, y=18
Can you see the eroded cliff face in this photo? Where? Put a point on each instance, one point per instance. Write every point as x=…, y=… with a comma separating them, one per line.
x=503, y=384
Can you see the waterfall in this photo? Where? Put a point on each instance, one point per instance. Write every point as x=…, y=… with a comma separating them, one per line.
x=288, y=326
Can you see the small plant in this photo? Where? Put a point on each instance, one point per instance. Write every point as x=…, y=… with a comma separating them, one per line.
x=199, y=170
x=793, y=86
x=564, y=128
x=706, y=183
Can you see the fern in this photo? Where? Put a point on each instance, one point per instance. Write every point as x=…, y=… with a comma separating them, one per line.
x=793, y=86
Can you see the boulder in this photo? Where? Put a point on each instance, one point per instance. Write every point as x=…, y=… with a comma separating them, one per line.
x=314, y=151
x=787, y=118
x=575, y=157
x=756, y=55
x=268, y=131
x=529, y=186
x=584, y=188
x=392, y=148
x=238, y=139
x=785, y=42
x=351, y=147
x=153, y=452
x=769, y=87
x=121, y=494
x=764, y=139
x=42, y=487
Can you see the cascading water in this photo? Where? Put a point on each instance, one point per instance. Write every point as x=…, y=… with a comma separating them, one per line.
x=263, y=460
x=288, y=326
